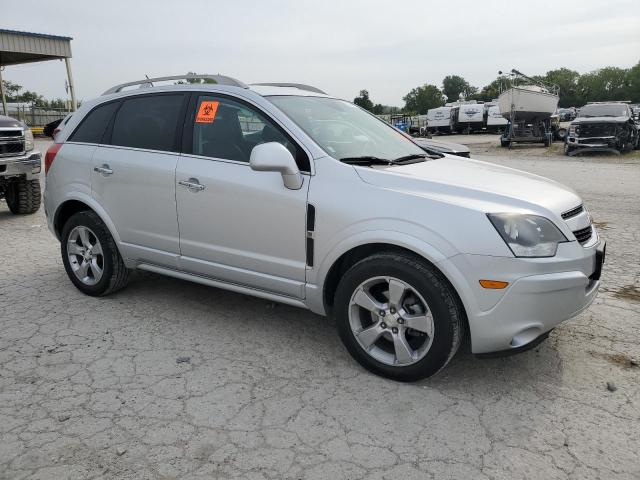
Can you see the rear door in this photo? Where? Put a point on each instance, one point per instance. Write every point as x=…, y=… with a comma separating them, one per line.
x=133, y=175
x=239, y=225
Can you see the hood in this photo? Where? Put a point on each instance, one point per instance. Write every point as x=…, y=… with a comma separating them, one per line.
x=600, y=120
x=8, y=122
x=474, y=184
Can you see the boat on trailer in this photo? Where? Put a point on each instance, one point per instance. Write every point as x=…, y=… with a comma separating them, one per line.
x=528, y=102
x=528, y=105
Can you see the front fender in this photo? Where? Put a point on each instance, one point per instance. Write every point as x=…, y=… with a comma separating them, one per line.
x=317, y=276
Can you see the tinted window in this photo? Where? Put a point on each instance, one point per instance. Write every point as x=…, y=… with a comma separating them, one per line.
x=223, y=128
x=148, y=122
x=92, y=128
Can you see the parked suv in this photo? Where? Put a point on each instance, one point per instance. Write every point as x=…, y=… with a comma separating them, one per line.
x=19, y=167
x=603, y=126
x=286, y=193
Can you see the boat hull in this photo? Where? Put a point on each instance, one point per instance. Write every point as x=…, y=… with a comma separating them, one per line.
x=527, y=105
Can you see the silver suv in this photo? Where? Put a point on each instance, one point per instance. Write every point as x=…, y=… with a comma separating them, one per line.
x=283, y=192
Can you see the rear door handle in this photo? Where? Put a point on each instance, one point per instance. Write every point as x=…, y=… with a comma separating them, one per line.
x=103, y=170
x=192, y=184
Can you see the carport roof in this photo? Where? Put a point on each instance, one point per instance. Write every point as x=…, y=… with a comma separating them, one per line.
x=24, y=47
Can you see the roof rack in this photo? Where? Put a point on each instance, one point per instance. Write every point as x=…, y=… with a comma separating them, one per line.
x=219, y=79
x=300, y=86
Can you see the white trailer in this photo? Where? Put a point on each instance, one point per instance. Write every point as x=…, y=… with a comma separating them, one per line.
x=495, y=121
x=440, y=120
x=470, y=117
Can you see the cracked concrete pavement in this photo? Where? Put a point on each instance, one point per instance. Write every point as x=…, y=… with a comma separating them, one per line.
x=169, y=379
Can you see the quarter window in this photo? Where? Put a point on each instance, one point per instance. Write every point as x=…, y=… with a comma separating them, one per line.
x=93, y=126
x=226, y=129
x=148, y=122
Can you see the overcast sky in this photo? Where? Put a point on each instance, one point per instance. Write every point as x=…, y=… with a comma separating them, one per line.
x=387, y=47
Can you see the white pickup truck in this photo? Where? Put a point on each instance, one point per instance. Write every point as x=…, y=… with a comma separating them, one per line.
x=19, y=167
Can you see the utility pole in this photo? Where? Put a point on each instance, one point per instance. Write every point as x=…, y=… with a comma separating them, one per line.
x=4, y=99
x=72, y=88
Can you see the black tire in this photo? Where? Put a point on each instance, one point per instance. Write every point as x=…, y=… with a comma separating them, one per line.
x=115, y=274
x=561, y=134
x=448, y=315
x=23, y=196
x=567, y=149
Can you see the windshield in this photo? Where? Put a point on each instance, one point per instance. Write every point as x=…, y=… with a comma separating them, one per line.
x=344, y=130
x=603, y=111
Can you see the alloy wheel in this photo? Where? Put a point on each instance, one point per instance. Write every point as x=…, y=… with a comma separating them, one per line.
x=391, y=321
x=85, y=255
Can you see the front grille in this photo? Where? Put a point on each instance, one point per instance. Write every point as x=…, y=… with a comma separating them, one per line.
x=597, y=129
x=583, y=235
x=573, y=212
x=11, y=143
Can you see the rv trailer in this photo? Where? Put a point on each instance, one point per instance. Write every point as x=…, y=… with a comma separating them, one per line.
x=440, y=120
x=495, y=122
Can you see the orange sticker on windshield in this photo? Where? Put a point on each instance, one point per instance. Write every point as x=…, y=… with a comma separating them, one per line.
x=207, y=112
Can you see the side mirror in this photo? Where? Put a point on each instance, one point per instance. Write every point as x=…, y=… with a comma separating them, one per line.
x=274, y=157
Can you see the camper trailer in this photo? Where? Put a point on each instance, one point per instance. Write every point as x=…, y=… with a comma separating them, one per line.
x=440, y=120
x=495, y=122
x=470, y=118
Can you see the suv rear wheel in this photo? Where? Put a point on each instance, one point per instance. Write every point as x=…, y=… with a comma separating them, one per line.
x=398, y=317
x=23, y=196
x=90, y=255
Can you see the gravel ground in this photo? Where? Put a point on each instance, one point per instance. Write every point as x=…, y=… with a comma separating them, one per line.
x=168, y=379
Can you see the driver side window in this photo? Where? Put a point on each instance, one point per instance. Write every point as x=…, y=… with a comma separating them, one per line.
x=227, y=129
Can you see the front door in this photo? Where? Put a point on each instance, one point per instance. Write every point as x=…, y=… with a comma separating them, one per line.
x=238, y=225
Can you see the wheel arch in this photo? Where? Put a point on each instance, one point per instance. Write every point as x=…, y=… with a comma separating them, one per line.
x=74, y=205
x=359, y=252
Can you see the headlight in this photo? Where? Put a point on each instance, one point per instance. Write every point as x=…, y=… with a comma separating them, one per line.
x=528, y=235
x=574, y=130
x=28, y=140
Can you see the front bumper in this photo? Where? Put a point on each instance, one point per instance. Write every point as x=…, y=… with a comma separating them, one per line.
x=28, y=164
x=542, y=293
x=592, y=142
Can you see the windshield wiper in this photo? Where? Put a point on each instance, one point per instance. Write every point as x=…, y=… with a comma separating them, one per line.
x=367, y=160
x=418, y=156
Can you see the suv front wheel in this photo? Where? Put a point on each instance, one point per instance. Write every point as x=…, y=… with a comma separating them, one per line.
x=398, y=317
x=90, y=255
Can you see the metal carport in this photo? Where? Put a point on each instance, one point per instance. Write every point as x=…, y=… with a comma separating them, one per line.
x=24, y=47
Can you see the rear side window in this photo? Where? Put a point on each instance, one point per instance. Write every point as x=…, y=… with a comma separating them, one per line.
x=93, y=126
x=148, y=122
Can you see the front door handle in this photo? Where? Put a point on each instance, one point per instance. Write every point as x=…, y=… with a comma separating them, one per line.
x=103, y=170
x=192, y=184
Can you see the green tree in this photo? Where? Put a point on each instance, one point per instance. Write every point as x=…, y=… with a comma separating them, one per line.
x=364, y=101
x=491, y=91
x=421, y=99
x=567, y=81
x=11, y=90
x=609, y=83
x=195, y=81
x=453, y=86
x=632, y=83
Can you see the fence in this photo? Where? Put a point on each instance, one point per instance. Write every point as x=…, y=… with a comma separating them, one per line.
x=36, y=116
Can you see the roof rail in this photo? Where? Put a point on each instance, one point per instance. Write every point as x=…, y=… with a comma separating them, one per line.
x=300, y=86
x=219, y=79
